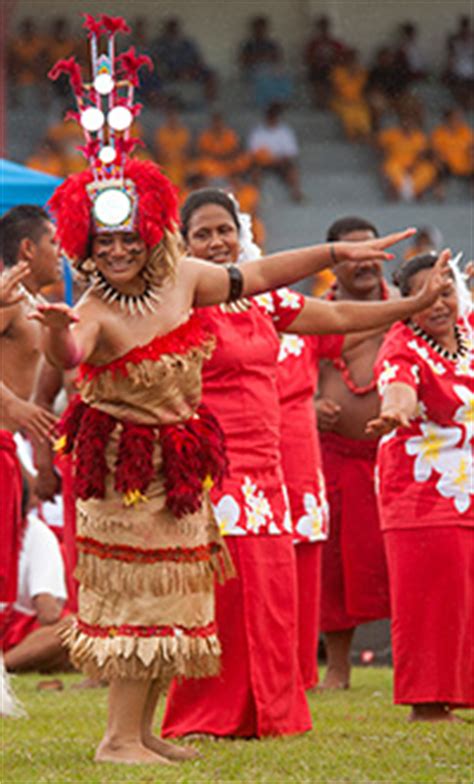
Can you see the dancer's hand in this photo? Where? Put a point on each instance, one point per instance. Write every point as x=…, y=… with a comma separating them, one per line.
x=328, y=413
x=55, y=316
x=438, y=281
x=35, y=421
x=369, y=250
x=386, y=422
x=10, y=294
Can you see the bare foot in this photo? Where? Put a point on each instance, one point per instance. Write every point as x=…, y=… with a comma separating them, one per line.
x=432, y=712
x=334, y=680
x=170, y=750
x=132, y=753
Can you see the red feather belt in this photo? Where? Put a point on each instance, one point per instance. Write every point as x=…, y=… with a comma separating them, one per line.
x=193, y=455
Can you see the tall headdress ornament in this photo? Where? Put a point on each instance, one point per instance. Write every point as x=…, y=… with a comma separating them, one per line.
x=116, y=193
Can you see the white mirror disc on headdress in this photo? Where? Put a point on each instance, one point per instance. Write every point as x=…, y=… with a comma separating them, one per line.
x=104, y=83
x=92, y=119
x=107, y=154
x=120, y=118
x=112, y=207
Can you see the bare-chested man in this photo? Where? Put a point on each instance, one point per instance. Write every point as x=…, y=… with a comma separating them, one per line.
x=354, y=579
x=26, y=235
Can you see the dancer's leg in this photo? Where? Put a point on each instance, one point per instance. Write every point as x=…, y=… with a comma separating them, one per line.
x=122, y=741
x=338, y=648
x=151, y=741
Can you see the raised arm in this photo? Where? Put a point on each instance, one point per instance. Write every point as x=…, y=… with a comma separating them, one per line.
x=69, y=336
x=211, y=281
x=345, y=316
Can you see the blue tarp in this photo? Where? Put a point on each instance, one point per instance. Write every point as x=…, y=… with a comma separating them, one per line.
x=19, y=185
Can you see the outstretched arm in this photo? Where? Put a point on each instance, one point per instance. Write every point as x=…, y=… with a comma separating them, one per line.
x=345, y=316
x=68, y=338
x=399, y=405
x=211, y=281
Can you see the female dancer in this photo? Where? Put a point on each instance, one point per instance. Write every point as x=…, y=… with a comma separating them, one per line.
x=425, y=370
x=259, y=691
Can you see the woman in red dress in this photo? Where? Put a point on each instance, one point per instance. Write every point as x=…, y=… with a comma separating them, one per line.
x=425, y=372
x=260, y=689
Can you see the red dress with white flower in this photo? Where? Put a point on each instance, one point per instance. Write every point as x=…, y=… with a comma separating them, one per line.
x=298, y=369
x=260, y=690
x=425, y=475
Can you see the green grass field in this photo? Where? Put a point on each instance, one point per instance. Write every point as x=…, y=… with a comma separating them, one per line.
x=358, y=736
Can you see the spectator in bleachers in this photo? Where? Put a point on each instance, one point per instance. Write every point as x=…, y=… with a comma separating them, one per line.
x=409, y=167
x=220, y=151
x=46, y=158
x=459, y=75
x=275, y=148
x=172, y=144
x=349, y=102
x=178, y=59
x=26, y=59
x=321, y=54
x=408, y=57
x=272, y=82
x=453, y=142
x=387, y=85
x=259, y=48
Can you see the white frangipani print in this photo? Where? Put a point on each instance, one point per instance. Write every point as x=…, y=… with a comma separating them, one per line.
x=465, y=413
x=422, y=351
x=227, y=512
x=456, y=481
x=290, y=346
x=388, y=374
x=428, y=447
x=258, y=511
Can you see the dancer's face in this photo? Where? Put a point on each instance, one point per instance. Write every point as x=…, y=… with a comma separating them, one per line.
x=119, y=256
x=362, y=277
x=213, y=235
x=439, y=319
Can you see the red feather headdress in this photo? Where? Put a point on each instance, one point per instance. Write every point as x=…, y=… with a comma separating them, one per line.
x=116, y=193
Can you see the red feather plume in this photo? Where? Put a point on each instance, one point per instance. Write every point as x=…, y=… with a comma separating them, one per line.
x=93, y=26
x=114, y=24
x=130, y=63
x=72, y=69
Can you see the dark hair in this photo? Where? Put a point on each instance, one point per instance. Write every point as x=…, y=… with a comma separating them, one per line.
x=24, y=221
x=402, y=276
x=347, y=225
x=202, y=197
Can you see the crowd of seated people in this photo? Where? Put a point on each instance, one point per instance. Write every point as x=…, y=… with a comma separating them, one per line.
x=377, y=103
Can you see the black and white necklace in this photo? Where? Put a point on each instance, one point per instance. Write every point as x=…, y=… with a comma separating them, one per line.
x=443, y=352
x=129, y=303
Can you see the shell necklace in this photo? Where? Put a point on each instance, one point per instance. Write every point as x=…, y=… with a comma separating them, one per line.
x=443, y=352
x=129, y=303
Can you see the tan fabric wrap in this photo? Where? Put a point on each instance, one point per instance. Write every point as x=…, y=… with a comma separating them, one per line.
x=116, y=592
